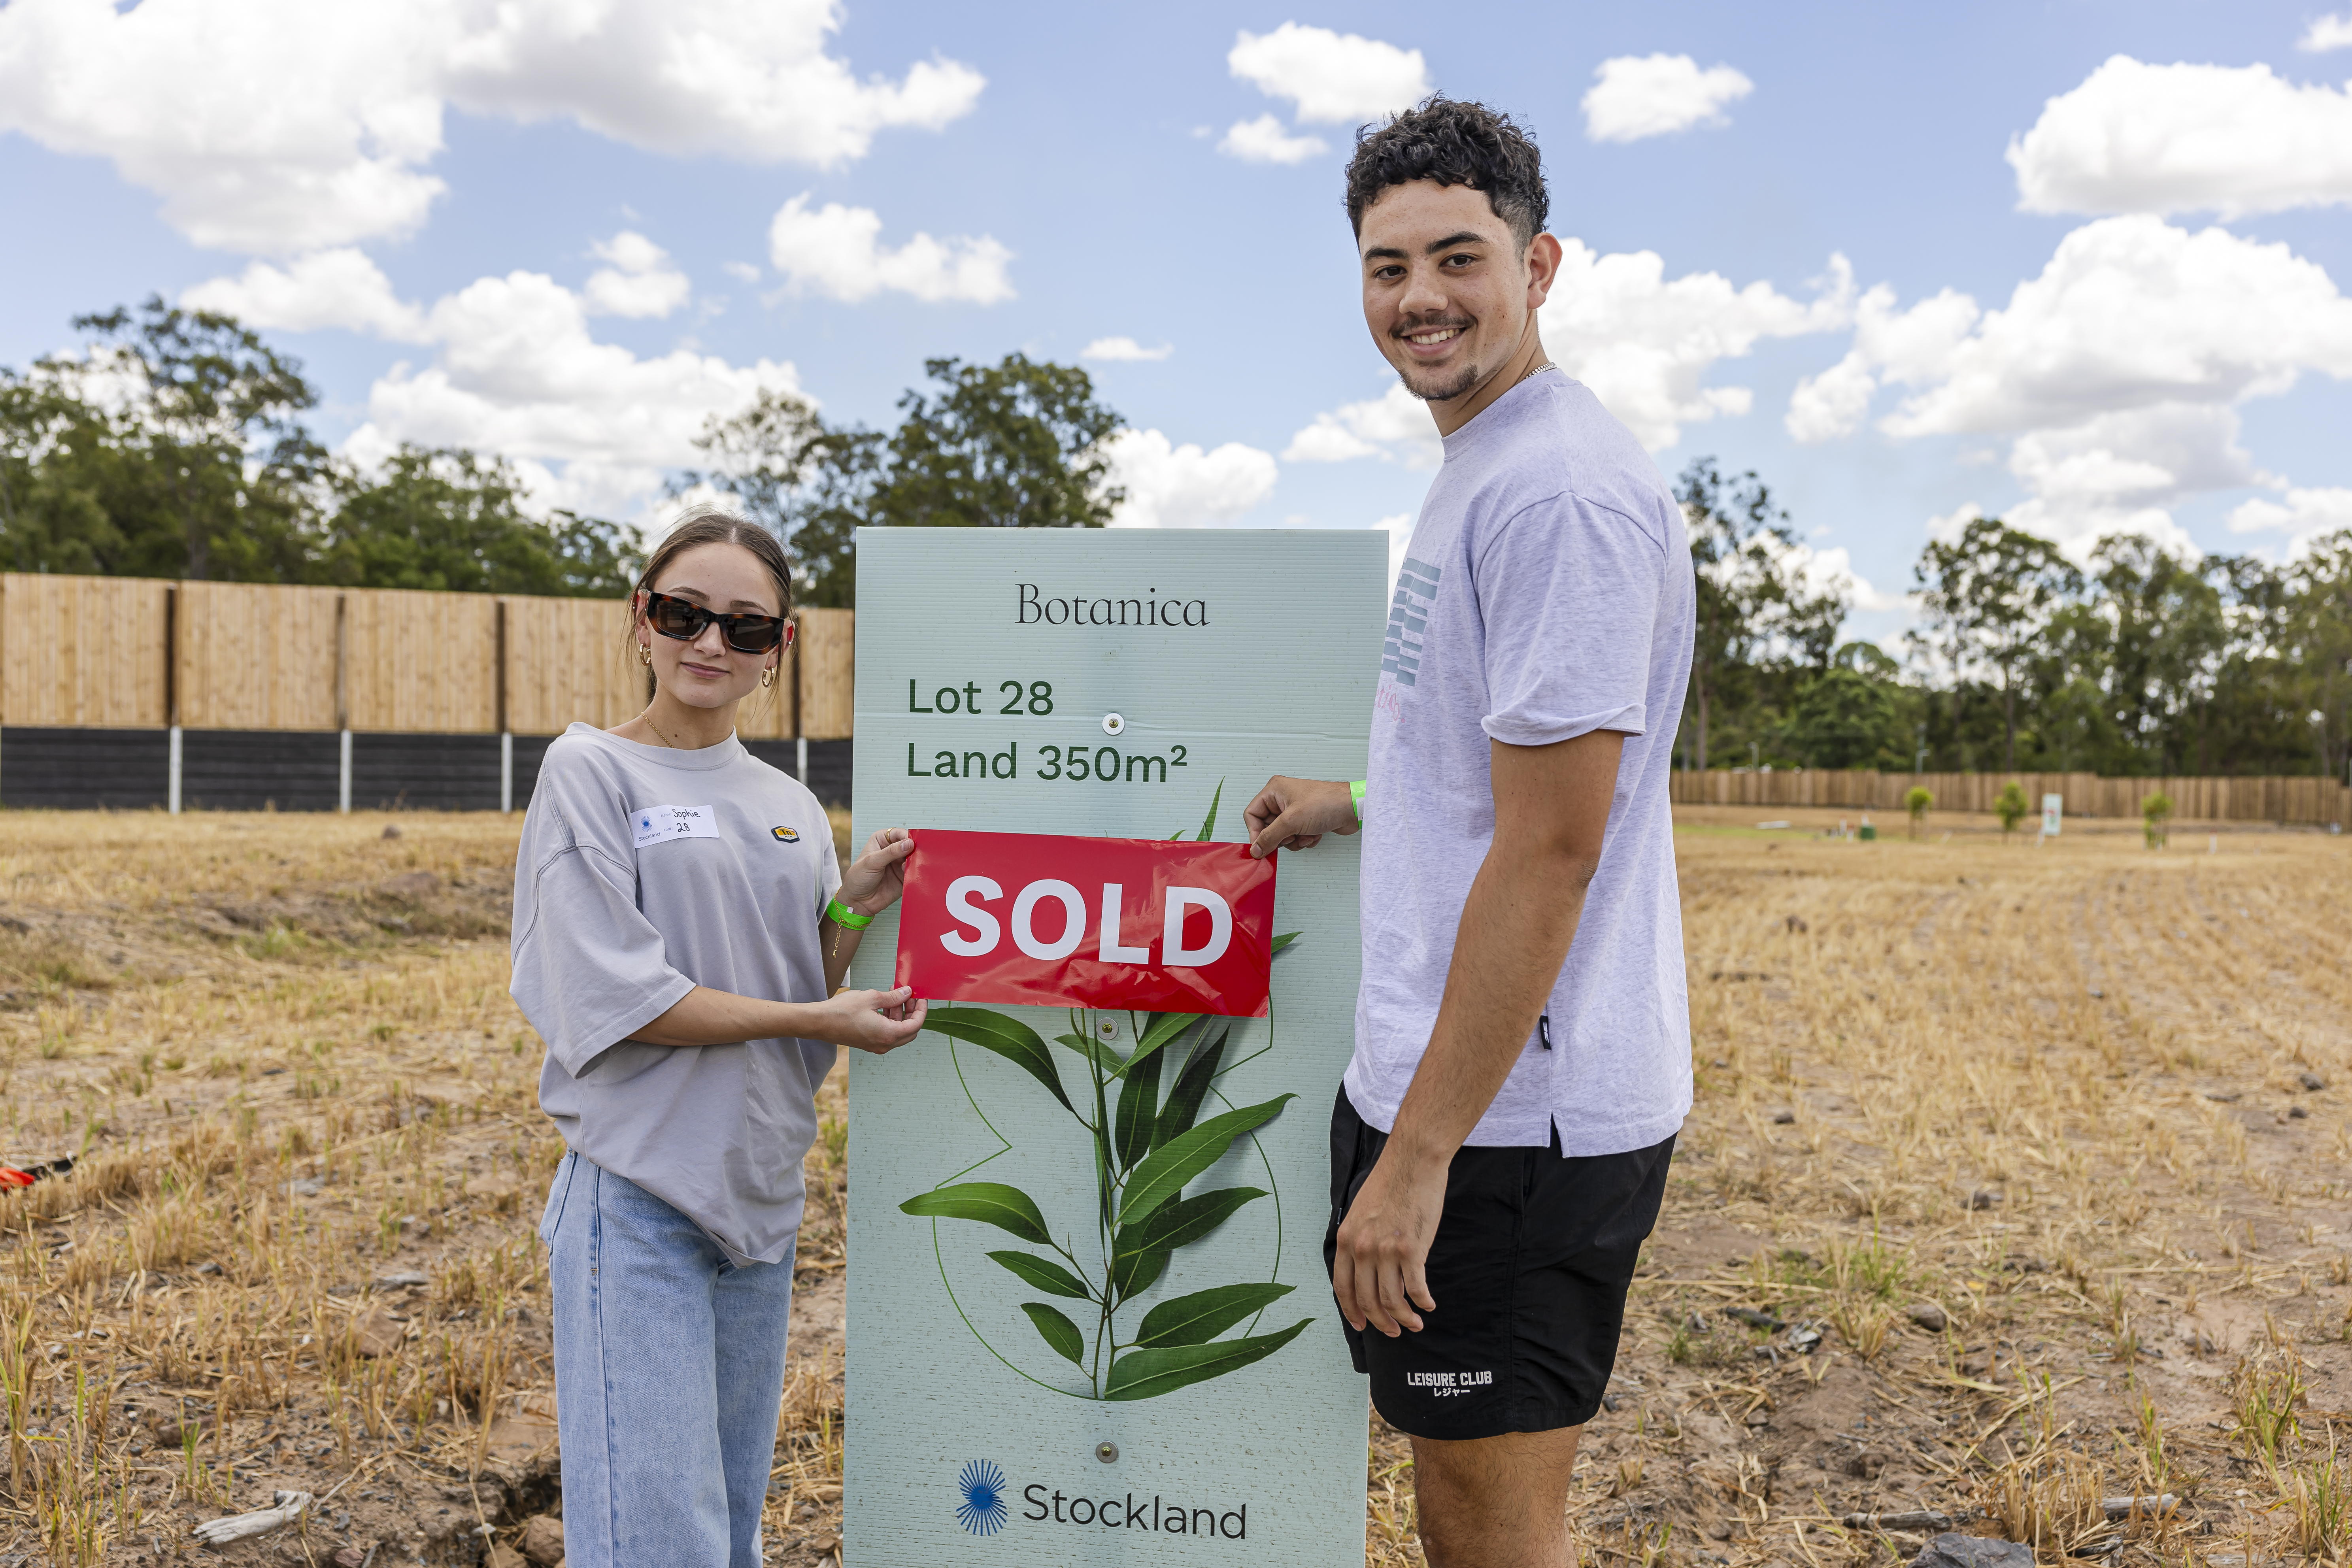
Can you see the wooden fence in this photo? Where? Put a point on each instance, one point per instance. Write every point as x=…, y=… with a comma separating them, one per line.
x=129, y=653
x=2259, y=799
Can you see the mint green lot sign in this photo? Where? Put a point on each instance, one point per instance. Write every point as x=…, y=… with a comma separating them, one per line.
x=1031, y=1380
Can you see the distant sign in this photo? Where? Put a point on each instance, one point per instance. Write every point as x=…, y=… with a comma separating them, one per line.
x=2054, y=809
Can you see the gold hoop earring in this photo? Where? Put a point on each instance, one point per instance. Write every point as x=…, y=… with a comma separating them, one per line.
x=767, y=675
x=646, y=654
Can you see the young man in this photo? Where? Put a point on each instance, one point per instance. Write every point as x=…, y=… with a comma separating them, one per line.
x=1522, y=1058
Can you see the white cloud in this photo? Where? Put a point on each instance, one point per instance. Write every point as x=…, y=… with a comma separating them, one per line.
x=1395, y=425
x=518, y=375
x=1831, y=569
x=2305, y=515
x=2130, y=313
x=1184, y=486
x=741, y=271
x=1124, y=349
x=640, y=281
x=1634, y=96
x=2137, y=138
x=2326, y=33
x=744, y=78
x=1947, y=529
x=1910, y=346
x=1641, y=341
x=2116, y=372
x=2122, y=472
x=340, y=287
x=1263, y=141
x=1644, y=341
x=1335, y=79
x=282, y=126
x=835, y=251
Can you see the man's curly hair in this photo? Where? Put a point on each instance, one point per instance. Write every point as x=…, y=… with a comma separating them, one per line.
x=1454, y=143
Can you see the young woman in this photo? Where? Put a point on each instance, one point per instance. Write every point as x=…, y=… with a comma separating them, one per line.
x=680, y=926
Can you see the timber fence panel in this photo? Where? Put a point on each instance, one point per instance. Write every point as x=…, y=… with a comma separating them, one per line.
x=420, y=663
x=83, y=652
x=828, y=643
x=256, y=656
x=570, y=662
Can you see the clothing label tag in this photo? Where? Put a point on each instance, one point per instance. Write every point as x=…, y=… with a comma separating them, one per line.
x=660, y=823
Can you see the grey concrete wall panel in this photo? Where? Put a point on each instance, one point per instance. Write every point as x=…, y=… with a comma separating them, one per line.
x=122, y=770
x=249, y=770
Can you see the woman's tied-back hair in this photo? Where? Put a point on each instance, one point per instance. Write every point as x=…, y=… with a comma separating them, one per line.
x=711, y=524
x=1454, y=143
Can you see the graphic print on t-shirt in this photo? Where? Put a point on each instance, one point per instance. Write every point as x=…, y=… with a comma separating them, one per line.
x=1416, y=590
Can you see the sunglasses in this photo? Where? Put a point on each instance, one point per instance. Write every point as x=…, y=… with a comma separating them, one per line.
x=684, y=621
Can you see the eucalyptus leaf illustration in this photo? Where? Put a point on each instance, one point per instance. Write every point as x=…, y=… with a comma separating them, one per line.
x=1144, y=1148
x=1204, y=1314
x=1209, y=823
x=1101, y=1055
x=1138, y=1112
x=1133, y=1273
x=1184, y=1222
x=1045, y=1275
x=1183, y=1106
x=1166, y=1169
x=1057, y=1332
x=991, y=1203
x=1161, y=1030
x=1148, y=1373
x=1016, y=1041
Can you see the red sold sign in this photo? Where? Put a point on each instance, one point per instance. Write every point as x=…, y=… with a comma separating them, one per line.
x=1038, y=921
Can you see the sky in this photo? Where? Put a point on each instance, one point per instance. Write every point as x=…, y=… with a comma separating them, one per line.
x=2078, y=265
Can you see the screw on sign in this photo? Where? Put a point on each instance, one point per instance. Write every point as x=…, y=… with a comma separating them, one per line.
x=1042, y=921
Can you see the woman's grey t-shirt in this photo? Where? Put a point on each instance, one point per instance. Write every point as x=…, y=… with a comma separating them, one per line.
x=1547, y=593
x=644, y=872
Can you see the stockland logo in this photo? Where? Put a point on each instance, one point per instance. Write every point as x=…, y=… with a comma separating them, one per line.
x=981, y=1508
x=980, y=1493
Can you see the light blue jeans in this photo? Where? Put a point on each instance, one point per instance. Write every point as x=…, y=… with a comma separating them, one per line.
x=669, y=1366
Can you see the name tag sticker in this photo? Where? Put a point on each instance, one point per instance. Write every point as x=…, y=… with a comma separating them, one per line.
x=660, y=823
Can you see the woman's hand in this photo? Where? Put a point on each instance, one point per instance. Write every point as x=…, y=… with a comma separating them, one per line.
x=875, y=879
x=876, y=1021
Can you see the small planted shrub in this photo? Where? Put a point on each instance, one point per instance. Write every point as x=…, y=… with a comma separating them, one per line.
x=2009, y=807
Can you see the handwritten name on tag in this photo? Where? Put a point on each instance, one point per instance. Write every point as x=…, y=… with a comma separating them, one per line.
x=660, y=823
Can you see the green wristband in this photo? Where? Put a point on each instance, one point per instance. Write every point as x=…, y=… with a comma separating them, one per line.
x=1356, y=798
x=841, y=915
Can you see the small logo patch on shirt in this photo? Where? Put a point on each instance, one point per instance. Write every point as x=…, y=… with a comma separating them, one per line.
x=651, y=825
x=786, y=835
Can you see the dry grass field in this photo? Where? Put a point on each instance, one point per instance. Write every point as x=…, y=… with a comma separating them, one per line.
x=2019, y=1187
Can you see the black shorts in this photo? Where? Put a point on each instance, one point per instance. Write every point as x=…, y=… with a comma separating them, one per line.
x=1528, y=1268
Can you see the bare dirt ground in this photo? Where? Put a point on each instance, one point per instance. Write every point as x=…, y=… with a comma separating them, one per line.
x=2020, y=1180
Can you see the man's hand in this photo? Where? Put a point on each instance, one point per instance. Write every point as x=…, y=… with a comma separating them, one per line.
x=876, y=1020
x=1379, y=1272
x=1295, y=813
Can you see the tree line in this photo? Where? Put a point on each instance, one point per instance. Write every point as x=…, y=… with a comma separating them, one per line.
x=2144, y=662
x=174, y=446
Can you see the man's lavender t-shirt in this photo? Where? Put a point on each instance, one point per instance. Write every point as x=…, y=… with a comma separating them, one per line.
x=1547, y=593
